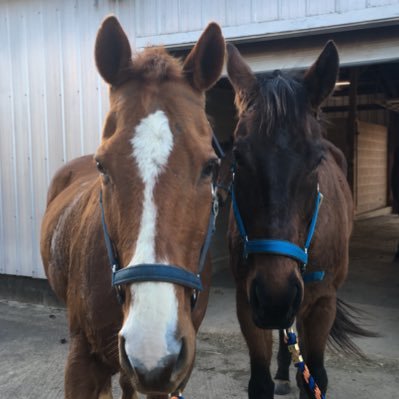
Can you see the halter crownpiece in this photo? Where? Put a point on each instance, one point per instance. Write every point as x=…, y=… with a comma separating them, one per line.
x=280, y=247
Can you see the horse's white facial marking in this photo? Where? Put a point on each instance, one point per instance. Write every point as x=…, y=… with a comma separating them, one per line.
x=150, y=327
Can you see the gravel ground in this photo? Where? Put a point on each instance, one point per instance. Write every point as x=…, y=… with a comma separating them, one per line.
x=34, y=339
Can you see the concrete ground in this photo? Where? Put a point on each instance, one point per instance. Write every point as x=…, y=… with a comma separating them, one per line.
x=33, y=338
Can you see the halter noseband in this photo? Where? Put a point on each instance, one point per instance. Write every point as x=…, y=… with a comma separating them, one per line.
x=280, y=247
x=155, y=271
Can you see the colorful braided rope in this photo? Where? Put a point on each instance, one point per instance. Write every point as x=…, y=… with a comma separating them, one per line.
x=310, y=381
x=298, y=361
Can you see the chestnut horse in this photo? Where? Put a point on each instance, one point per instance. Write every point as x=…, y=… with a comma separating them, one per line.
x=155, y=169
x=280, y=234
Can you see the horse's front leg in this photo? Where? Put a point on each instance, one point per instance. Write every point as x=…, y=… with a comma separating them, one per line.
x=282, y=377
x=86, y=376
x=128, y=392
x=315, y=328
x=259, y=342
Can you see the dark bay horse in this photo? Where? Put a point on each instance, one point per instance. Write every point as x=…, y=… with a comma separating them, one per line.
x=154, y=170
x=280, y=233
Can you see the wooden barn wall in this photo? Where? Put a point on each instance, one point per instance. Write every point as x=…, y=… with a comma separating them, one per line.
x=371, y=161
x=52, y=101
x=372, y=167
x=380, y=116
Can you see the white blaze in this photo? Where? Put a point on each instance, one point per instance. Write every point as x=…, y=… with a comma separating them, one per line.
x=149, y=329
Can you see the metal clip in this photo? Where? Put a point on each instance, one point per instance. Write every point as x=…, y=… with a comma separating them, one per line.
x=293, y=347
x=178, y=395
x=295, y=353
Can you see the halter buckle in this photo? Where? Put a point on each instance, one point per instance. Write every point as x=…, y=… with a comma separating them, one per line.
x=245, y=252
x=215, y=201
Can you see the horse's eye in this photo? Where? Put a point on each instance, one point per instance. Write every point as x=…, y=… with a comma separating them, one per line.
x=318, y=162
x=238, y=158
x=210, y=169
x=100, y=168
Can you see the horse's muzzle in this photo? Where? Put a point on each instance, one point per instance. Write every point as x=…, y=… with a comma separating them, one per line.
x=163, y=379
x=275, y=310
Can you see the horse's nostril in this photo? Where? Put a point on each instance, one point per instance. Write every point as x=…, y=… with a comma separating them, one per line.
x=294, y=295
x=297, y=296
x=181, y=358
x=256, y=296
x=296, y=299
x=124, y=359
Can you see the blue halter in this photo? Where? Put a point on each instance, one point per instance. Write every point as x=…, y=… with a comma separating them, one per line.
x=280, y=247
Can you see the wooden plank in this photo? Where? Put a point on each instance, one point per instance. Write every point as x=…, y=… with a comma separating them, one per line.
x=372, y=145
x=352, y=132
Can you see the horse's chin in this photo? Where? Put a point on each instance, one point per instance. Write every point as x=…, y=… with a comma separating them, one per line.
x=158, y=381
x=152, y=386
x=269, y=324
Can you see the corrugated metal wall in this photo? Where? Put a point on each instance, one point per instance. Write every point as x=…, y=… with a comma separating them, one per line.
x=52, y=104
x=52, y=101
x=175, y=22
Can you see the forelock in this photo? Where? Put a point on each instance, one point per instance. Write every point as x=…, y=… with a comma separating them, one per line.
x=155, y=64
x=281, y=101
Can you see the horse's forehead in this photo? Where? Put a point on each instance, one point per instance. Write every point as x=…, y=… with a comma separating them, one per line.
x=152, y=142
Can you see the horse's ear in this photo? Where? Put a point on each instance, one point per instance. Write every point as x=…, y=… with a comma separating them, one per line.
x=112, y=51
x=321, y=77
x=241, y=77
x=203, y=66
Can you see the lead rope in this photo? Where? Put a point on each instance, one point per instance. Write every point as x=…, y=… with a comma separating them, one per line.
x=297, y=359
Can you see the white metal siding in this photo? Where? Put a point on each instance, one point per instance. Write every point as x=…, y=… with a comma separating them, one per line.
x=52, y=106
x=52, y=101
x=176, y=23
